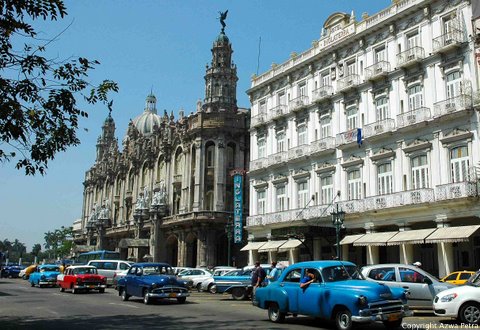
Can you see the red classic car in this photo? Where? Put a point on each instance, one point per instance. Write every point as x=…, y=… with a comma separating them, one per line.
x=81, y=278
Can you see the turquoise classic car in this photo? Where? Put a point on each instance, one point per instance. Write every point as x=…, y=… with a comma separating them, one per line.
x=44, y=275
x=333, y=290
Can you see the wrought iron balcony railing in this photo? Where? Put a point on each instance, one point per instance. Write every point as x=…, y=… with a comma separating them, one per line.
x=278, y=158
x=377, y=70
x=456, y=190
x=298, y=103
x=348, y=82
x=410, y=56
x=299, y=151
x=447, y=41
x=322, y=93
x=379, y=127
x=259, y=119
x=413, y=117
x=255, y=220
x=258, y=164
x=278, y=112
x=454, y=104
x=322, y=144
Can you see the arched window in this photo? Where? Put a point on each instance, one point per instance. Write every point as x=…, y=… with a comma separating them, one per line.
x=211, y=155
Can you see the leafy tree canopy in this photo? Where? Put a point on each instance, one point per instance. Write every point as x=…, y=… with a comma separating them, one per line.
x=38, y=96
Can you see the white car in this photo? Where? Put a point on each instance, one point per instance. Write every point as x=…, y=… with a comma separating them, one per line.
x=462, y=302
x=196, y=275
x=209, y=283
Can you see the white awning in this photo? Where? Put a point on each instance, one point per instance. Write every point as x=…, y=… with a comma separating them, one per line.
x=349, y=239
x=376, y=239
x=252, y=246
x=271, y=246
x=452, y=234
x=290, y=244
x=410, y=236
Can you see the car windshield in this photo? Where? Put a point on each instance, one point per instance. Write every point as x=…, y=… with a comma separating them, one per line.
x=158, y=270
x=49, y=269
x=85, y=271
x=474, y=280
x=341, y=273
x=235, y=272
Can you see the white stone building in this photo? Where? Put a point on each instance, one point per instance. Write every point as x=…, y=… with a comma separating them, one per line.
x=379, y=118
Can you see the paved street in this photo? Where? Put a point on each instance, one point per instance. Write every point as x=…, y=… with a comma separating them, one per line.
x=24, y=307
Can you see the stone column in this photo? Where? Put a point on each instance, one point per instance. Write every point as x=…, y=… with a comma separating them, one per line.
x=219, y=191
x=198, y=174
x=252, y=256
x=181, y=249
x=211, y=256
x=444, y=249
x=272, y=256
x=345, y=252
x=406, y=253
x=317, y=249
x=372, y=255
x=201, y=248
x=293, y=256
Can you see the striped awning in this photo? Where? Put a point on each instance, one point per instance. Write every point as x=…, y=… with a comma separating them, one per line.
x=410, y=236
x=253, y=246
x=271, y=246
x=349, y=239
x=290, y=244
x=376, y=239
x=452, y=234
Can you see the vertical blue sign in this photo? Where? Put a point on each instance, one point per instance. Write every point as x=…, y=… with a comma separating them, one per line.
x=237, y=208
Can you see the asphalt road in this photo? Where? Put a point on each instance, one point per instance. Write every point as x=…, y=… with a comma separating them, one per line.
x=22, y=306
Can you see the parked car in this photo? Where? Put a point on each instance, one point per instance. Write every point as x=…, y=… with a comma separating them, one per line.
x=25, y=273
x=461, y=302
x=12, y=271
x=81, y=278
x=44, y=275
x=209, y=283
x=237, y=282
x=422, y=286
x=458, y=277
x=117, y=276
x=152, y=281
x=338, y=292
x=196, y=276
x=178, y=270
x=109, y=268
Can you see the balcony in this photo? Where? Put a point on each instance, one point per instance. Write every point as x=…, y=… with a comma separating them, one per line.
x=322, y=93
x=418, y=196
x=413, y=117
x=410, y=57
x=348, y=82
x=378, y=70
x=456, y=190
x=279, y=217
x=299, y=152
x=379, y=127
x=278, y=159
x=452, y=105
x=258, y=164
x=448, y=41
x=352, y=206
x=347, y=137
x=256, y=220
x=318, y=146
x=383, y=201
x=298, y=103
x=258, y=120
x=278, y=112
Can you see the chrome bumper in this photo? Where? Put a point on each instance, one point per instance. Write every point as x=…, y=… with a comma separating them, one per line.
x=93, y=287
x=365, y=315
x=168, y=295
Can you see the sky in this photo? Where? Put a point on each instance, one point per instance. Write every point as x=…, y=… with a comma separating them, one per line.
x=161, y=46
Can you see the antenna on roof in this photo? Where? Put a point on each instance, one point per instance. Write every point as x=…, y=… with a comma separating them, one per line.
x=258, y=57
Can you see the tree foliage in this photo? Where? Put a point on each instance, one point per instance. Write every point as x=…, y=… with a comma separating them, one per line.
x=38, y=96
x=59, y=241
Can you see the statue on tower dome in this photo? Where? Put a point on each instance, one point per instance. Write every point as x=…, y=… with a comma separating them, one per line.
x=222, y=18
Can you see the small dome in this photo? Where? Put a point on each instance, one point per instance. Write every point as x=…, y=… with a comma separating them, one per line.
x=109, y=119
x=222, y=38
x=149, y=118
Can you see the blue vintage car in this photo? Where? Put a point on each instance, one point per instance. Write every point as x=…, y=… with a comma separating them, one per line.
x=238, y=282
x=338, y=292
x=152, y=281
x=44, y=275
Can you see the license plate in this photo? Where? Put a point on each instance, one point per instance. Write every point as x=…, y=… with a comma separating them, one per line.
x=393, y=317
x=91, y=286
x=172, y=295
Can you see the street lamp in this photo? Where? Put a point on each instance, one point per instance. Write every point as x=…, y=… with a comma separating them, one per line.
x=228, y=230
x=337, y=220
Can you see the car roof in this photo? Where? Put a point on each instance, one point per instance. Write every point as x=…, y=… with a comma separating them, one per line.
x=151, y=264
x=48, y=265
x=110, y=260
x=322, y=263
x=81, y=266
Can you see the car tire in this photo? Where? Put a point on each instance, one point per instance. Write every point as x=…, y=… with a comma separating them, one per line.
x=393, y=324
x=199, y=287
x=343, y=320
x=32, y=284
x=62, y=289
x=470, y=313
x=102, y=290
x=212, y=288
x=274, y=313
x=124, y=295
x=182, y=300
x=24, y=277
x=239, y=293
x=74, y=291
x=146, y=297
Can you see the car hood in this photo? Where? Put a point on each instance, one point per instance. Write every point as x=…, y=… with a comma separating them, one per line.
x=460, y=289
x=49, y=274
x=372, y=290
x=162, y=279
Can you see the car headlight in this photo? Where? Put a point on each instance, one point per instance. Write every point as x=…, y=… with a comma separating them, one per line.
x=362, y=301
x=448, y=297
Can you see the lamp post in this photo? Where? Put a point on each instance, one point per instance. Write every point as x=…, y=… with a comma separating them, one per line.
x=337, y=220
x=228, y=230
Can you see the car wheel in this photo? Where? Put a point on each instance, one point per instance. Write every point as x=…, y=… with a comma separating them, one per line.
x=274, y=313
x=343, y=320
x=181, y=300
x=212, y=288
x=470, y=313
x=74, y=291
x=24, y=277
x=392, y=324
x=239, y=293
x=199, y=287
x=125, y=296
x=146, y=297
x=62, y=289
x=102, y=290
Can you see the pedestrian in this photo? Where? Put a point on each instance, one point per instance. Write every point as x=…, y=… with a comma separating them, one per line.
x=258, y=277
x=274, y=273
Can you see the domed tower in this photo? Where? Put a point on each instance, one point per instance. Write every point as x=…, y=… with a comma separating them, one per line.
x=149, y=118
x=221, y=77
x=107, y=139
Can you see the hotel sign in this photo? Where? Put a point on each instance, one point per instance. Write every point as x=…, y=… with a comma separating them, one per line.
x=237, y=207
x=336, y=34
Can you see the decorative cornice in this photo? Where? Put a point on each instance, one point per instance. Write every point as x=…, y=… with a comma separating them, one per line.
x=323, y=168
x=352, y=161
x=301, y=174
x=382, y=154
x=417, y=145
x=455, y=135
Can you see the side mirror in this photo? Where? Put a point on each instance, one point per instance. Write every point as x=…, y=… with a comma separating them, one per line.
x=427, y=280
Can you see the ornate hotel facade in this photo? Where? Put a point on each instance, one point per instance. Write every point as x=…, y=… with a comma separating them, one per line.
x=168, y=194
x=380, y=119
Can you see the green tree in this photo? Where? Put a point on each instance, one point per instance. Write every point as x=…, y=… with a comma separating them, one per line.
x=59, y=241
x=36, y=249
x=38, y=96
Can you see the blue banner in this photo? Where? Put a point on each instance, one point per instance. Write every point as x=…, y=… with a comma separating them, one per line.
x=237, y=208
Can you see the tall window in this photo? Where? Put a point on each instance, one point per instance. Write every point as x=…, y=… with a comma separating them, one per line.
x=281, y=98
x=454, y=82
x=280, y=137
x=415, y=97
x=302, y=194
x=413, y=40
x=380, y=54
x=302, y=89
x=354, y=184
x=420, y=172
x=350, y=69
x=381, y=105
x=302, y=133
x=326, y=126
x=385, y=179
x=352, y=116
x=230, y=156
x=459, y=164
x=326, y=185
x=325, y=80
x=262, y=107
x=211, y=156
x=209, y=200
x=261, y=143
x=261, y=201
x=281, y=204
